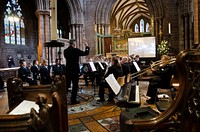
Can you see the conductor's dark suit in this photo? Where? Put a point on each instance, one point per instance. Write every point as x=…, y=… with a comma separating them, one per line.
x=71, y=55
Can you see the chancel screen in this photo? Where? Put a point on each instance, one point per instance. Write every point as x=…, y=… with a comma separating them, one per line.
x=145, y=47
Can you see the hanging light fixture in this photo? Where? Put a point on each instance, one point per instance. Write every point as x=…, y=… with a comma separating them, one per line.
x=13, y=11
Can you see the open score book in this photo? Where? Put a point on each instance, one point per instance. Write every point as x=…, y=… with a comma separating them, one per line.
x=112, y=82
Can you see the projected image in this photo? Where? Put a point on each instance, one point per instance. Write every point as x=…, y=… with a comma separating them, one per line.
x=145, y=47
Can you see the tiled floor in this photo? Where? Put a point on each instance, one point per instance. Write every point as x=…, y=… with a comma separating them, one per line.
x=89, y=115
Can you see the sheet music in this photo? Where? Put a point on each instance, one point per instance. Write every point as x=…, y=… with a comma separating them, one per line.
x=136, y=66
x=101, y=65
x=92, y=66
x=106, y=63
x=113, y=83
x=25, y=107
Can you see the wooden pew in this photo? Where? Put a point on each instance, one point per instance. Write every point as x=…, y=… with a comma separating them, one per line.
x=56, y=119
x=17, y=92
x=9, y=72
x=184, y=113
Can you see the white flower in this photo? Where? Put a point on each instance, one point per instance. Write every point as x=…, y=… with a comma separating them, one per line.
x=163, y=47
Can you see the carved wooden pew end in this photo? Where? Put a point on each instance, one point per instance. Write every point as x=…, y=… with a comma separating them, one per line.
x=48, y=119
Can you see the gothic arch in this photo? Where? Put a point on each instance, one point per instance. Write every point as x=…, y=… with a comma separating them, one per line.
x=76, y=11
x=103, y=11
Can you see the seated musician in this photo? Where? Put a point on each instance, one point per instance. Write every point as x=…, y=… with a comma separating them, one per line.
x=45, y=73
x=116, y=70
x=24, y=73
x=35, y=70
x=58, y=68
x=125, y=66
x=87, y=72
x=164, y=73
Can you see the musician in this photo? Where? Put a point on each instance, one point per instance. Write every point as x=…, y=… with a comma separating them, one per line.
x=137, y=60
x=87, y=72
x=125, y=66
x=35, y=70
x=71, y=55
x=45, y=73
x=117, y=71
x=24, y=73
x=58, y=68
x=163, y=81
x=10, y=61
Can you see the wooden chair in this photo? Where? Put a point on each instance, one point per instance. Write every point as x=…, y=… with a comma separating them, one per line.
x=121, y=80
x=164, y=97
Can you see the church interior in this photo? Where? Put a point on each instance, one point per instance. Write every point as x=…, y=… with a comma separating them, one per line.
x=136, y=32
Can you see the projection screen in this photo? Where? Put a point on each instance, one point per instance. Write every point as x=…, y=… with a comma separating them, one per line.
x=145, y=47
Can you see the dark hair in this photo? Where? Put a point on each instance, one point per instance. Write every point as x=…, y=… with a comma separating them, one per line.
x=34, y=61
x=21, y=61
x=116, y=61
x=71, y=41
x=57, y=60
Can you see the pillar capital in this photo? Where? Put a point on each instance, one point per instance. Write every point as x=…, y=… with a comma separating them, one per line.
x=42, y=12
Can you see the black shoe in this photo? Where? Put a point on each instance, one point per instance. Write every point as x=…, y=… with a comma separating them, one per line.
x=150, y=101
x=101, y=100
x=110, y=100
x=74, y=102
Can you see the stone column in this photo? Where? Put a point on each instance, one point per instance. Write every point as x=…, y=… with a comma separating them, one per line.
x=41, y=50
x=53, y=20
x=47, y=26
x=196, y=21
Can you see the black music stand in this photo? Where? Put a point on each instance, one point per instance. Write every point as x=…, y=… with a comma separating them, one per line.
x=53, y=45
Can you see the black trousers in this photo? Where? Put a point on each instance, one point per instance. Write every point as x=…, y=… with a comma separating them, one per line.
x=74, y=80
x=154, y=85
x=102, y=87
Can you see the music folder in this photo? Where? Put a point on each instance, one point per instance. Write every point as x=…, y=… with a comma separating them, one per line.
x=112, y=82
x=92, y=66
x=101, y=65
x=136, y=66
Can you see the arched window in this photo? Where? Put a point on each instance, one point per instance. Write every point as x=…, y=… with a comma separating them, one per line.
x=136, y=28
x=147, y=27
x=141, y=25
x=14, y=28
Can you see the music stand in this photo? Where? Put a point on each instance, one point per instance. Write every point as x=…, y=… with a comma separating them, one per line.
x=53, y=45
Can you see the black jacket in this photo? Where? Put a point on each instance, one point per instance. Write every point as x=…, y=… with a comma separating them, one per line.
x=71, y=55
x=115, y=70
x=24, y=73
x=45, y=75
x=165, y=74
x=35, y=71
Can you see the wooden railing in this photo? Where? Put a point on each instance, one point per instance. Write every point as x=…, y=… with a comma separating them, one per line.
x=9, y=72
x=184, y=113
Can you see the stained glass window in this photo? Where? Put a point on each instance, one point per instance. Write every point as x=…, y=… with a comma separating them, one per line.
x=147, y=27
x=136, y=28
x=141, y=25
x=6, y=30
x=14, y=28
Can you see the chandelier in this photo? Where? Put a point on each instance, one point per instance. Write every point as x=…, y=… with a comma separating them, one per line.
x=13, y=11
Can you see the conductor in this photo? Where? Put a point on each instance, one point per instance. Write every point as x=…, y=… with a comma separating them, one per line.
x=71, y=55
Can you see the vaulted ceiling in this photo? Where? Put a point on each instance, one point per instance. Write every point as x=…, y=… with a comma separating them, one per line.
x=125, y=12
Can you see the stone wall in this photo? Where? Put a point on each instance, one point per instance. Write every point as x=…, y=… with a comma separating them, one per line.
x=27, y=52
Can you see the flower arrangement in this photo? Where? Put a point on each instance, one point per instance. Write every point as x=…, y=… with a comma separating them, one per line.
x=163, y=48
